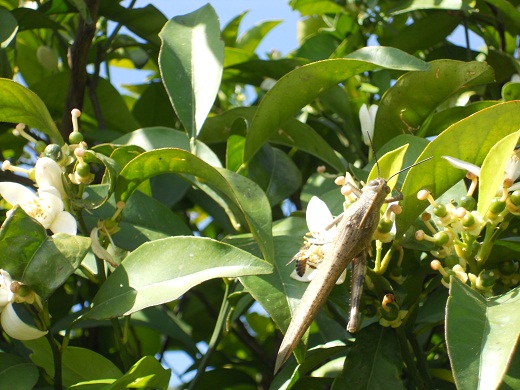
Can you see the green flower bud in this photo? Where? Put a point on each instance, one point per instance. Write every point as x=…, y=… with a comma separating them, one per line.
x=53, y=151
x=515, y=197
x=75, y=137
x=83, y=169
x=486, y=279
x=468, y=202
x=440, y=211
x=393, y=312
x=385, y=226
x=441, y=238
x=497, y=206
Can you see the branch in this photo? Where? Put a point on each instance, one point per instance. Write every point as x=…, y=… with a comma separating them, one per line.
x=78, y=54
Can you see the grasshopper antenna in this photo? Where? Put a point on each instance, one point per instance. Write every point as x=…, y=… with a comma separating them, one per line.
x=375, y=155
x=411, y=166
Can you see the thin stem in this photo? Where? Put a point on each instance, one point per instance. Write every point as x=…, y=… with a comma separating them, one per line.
x=408, y=359
x=213, y=342
x=119, y=337
x=56, y=354
x=421, y=361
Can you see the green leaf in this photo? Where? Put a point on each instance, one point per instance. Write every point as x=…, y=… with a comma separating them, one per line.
x=243, y=197
x=144, y=219
x=416, y=95
x=20, y=105
x=230, y=32
x=8, y=27
x=146, y=373
x=16, y=373
x=481, y=335
x=374, y=362
x=490, y=179
x=112, y=169
x=292, y=133
x=191, y=61
x=316, y=7
x=412, y=5
x=150, y=138
x=44, y=263
x=74, y=363
x=235, y=145
x=162, y=270
x=468, y=140
x=511, y=91
x=250, y=40
x=54, y=262
x=20, y=237
x=389, y=164
x=433, y=29
x=390, y=58
x=275, y=173
x=303, y=85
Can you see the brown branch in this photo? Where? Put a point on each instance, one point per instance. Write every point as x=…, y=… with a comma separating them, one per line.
x=78, y=54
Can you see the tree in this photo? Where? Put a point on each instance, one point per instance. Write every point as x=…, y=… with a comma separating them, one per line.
x=165, y=216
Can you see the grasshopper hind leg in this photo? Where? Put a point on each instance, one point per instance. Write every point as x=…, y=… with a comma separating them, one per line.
x=356, y=290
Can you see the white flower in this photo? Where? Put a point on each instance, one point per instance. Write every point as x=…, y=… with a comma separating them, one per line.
x=319, y=221
x=46, y=206
x=367, y=118
x=11, y=323
x=512, y=169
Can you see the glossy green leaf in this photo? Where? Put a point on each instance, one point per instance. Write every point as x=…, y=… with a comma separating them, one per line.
x=17, y=373
x=389, y=164
x=235, y=145
x=474, y=136
x=74, y=359
x=52, y=264
x=144, y=219
x=389, y=58
x=191, y=61
x=240, y=192
x=151, y=138
x=146, y=373
x=511, y=91
x=250, y=40
x=20, y=237
x=20, y=105
x=301, y=86
x=481, y=335
x=275, y=173
x=495, y=162
x=412, y=5
x=111, y=171
x=433, y=29
x=374, y=362
x=314, y=7
x=230, y=32
x=8, y=27
x=162, y=270
x=292, y=133
x=416, y=95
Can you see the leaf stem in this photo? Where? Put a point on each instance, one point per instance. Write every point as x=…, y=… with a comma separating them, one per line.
x=56, y=354
x=408, y=359
x=121, y=345
x=215, y=337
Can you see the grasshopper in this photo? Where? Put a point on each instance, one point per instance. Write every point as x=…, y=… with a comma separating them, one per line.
x=354, y=235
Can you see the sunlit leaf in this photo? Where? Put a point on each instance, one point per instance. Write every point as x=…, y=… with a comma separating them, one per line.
x=481, y=335
x=191, y=61
x=162, y=270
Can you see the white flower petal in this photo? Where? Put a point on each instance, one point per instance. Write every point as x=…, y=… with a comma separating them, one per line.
x=512, y=170
x=48, y=173
x=463, y=165
x=342, y=277
x=318, y=217
x=16, y=328
x=15, y=193
x=6, y=295
x=64, y=222
x=367, y=127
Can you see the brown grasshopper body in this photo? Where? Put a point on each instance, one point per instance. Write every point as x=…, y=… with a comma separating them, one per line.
x=353, y=238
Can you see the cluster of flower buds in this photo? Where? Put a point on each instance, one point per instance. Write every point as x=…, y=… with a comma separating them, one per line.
x=457, y=228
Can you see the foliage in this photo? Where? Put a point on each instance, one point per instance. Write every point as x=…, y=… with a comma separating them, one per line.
x=185, y=195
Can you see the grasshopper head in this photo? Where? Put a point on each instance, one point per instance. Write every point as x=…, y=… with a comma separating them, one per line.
x=378, y=185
